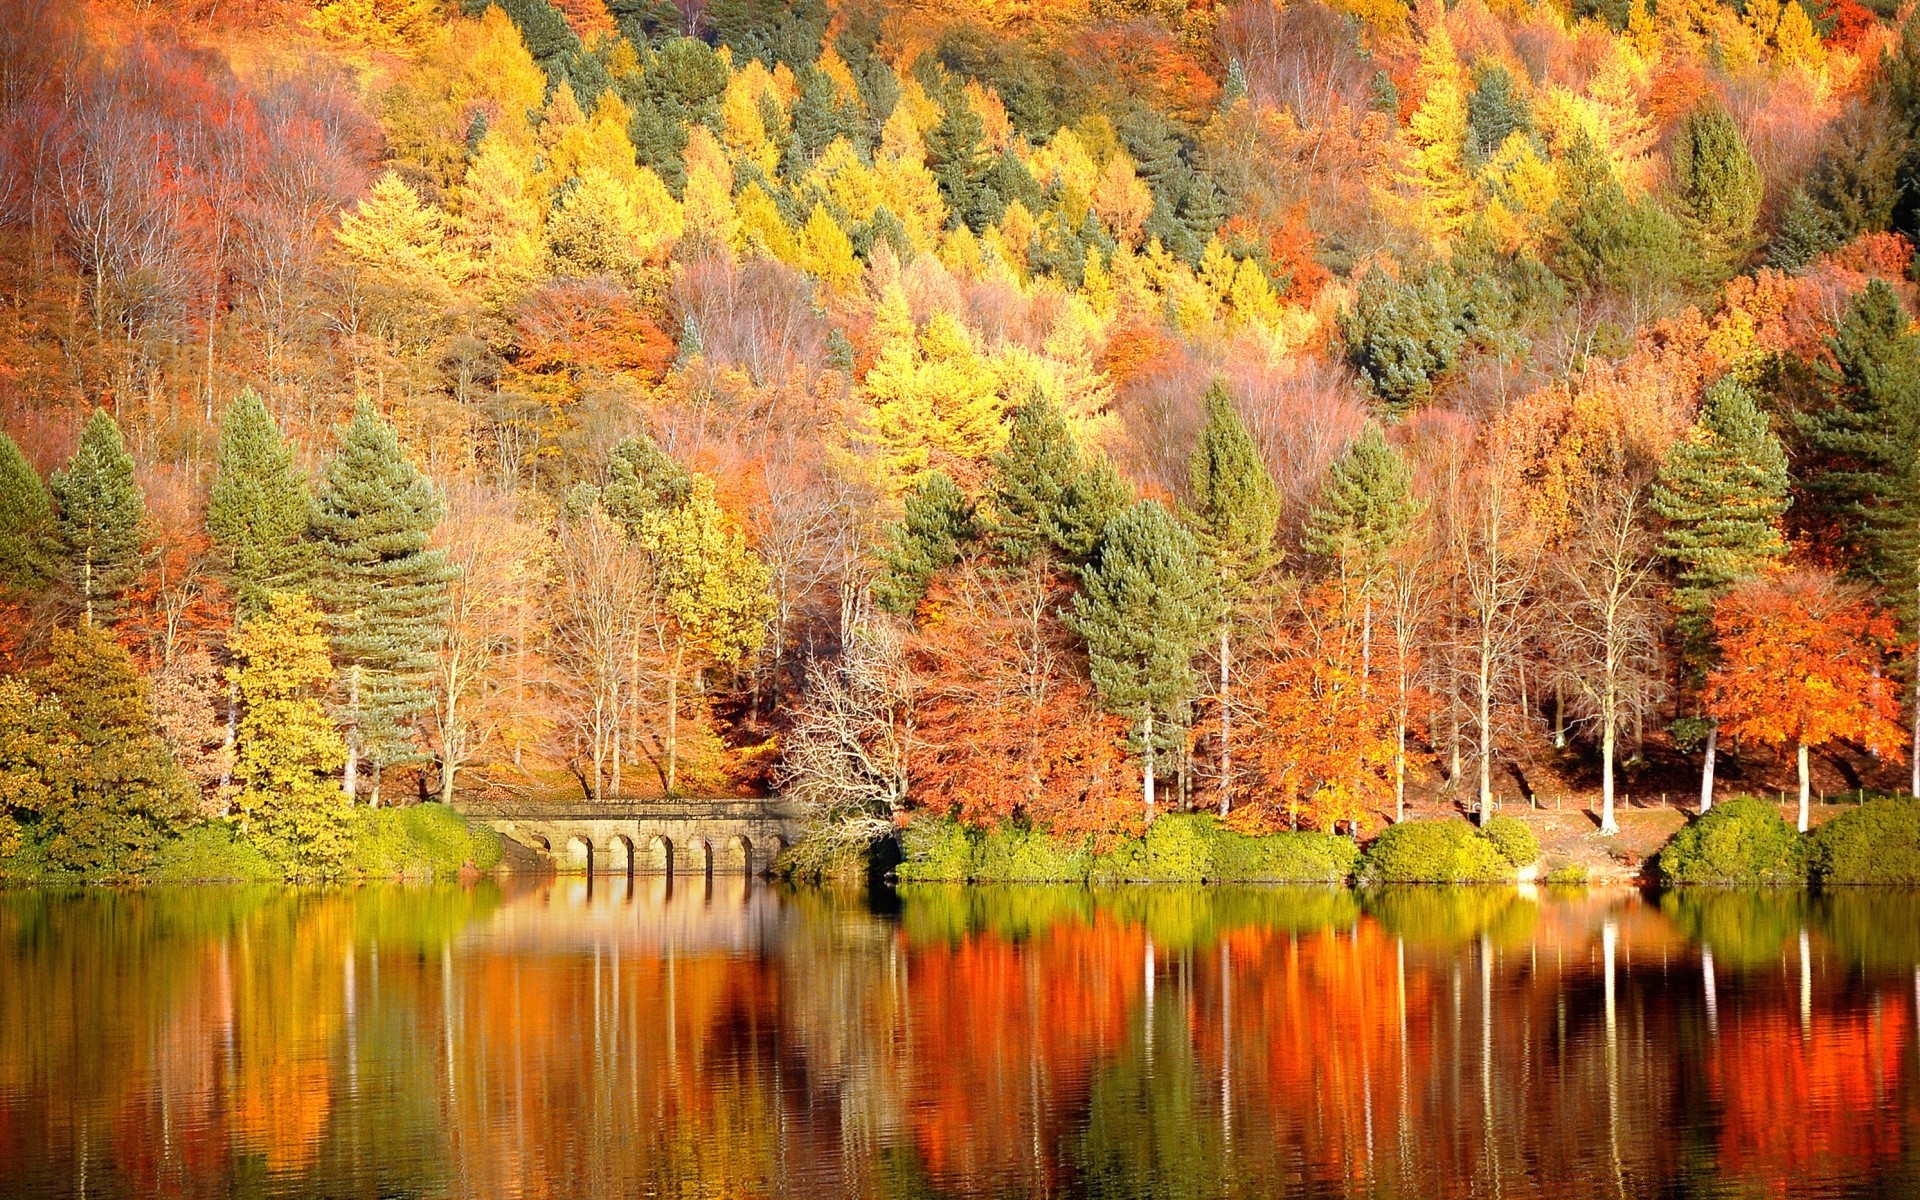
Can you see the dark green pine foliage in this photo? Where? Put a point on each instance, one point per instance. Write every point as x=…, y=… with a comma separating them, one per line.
x=1236, y=507
x=259, y=509
x=1403, y=335
x=1804, y=233
x=103, y=519
x=1614, y=243
x=122, y=795
x=926, y=540
x=548, y=37
x=1719, y=189
x=1722, y=492
x=1143, y=609
x=956, y=153
x=1366, y=509
x=642, y=479
x=1495, y=112
x=383, y=588
x=1047, y=496
x=1865, y=442
x=820, y=116
x=26, y=524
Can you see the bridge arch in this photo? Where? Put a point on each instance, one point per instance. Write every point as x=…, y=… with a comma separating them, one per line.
x=737, y=854
x=578, y=858
x=620, y=855
x=700, y=850
x=659, y=854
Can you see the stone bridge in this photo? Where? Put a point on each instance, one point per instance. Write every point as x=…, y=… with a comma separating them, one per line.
x=632, y=837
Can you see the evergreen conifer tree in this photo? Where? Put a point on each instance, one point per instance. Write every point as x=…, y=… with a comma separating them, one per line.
x=1366, y=509
x=103, y=518
x=1719, y=186
x=1031, y=475
x=121, y=795
x=642, y=479
x=288, y=751
x=1143, y=609
x=1866, y=451
x=925, y=541
x=383, y=590
x=1721, y=491
x=259, y=507
x=26, y=523
x=1096, y=496
x=1234, y=514
x=956, y=152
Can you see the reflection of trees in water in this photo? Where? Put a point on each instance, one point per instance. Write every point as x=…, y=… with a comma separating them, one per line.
x=683, y=1039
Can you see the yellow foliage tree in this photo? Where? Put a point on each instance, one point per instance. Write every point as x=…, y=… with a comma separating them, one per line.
x=1436, y=137
x=930, y=402
x=826, y=252
x=707, y=201
x=604, y=228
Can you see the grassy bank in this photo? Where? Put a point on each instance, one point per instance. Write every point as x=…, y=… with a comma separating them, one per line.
x=418, y=843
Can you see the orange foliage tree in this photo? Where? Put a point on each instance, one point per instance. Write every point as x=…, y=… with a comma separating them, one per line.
x=1804, y=662
x=1326, y=748
x=1005, y=722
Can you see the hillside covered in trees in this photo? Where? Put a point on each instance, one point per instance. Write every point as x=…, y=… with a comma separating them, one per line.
x=1053, y=413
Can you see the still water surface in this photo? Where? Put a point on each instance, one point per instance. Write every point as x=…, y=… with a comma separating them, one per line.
x=730, y=1039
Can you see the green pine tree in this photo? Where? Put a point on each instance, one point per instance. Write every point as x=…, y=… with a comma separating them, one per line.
x=383, y=589
x=1031, y=475
x=1865, y=441
x=956, y=152
x=925, y=541
x=1495, y=111
x=642, y=479
x=1234, y=515
x=259, y=508
x=1804, y=233
x=26, y=524
x=1143, y=609
x=1402, y=335
x=1722, y=492
x=1719, y=188
x=103, y=518
x=1095, y=497
x=121, y=795
x=1366, y=509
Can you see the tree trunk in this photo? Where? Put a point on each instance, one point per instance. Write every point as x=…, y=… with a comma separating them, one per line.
x=350, y=778
x=1226, y=727
x=446, y=751
x=673, y=719
x=1706, y=769
x=1806, y=786
x=1147, y=778
x=1486, y=734
x=1400, y=769
x=1559, y=714
x=1608, y=738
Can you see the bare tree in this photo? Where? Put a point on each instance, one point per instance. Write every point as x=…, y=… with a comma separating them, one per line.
x=600, y=590
x=1609, y=624
x=1496, y=567
x=846, y=754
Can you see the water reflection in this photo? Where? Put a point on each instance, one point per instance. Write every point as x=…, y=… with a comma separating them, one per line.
x=616, y=1038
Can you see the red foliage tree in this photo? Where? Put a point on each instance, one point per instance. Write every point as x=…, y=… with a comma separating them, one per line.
x=1803, y=663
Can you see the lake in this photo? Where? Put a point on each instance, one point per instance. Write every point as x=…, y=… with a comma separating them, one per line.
x=575, y=1038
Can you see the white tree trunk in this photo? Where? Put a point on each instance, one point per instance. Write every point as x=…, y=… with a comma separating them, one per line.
x=1147, y=742
x=1608, y=739
x=1226, y=726
x=1806, y=787
x=1706, y=769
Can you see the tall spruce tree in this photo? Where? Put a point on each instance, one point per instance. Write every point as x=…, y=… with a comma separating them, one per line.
x=103, y=518
x=1719, y=188
x=383, y=589
x=1866, y=451
x=259, y=508
x=925, y=541
x=1143, y=609
x=26, y=524
x=1234, y=514
x=1721, y=491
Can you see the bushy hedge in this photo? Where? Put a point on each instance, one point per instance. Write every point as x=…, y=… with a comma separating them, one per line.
x=1877, y=843
x=1177, y=848
x=1443, y=851
x=213, y=852
x=422, y=841
x=1742, y=842
x=1513, y=839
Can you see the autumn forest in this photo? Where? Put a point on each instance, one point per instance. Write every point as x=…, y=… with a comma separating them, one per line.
x=1054, y=415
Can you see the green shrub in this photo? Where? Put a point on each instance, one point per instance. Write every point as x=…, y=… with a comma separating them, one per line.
x=1177, y=848
x=1283, y=857
x=936, y=850
x=213, y=852
x=825, y=859
x=1567, y=875
x=421, y=841
x=1513, y=839
x=1742, y=841
x=1879, y=842
x=1445, y=851
x=1012, y=852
